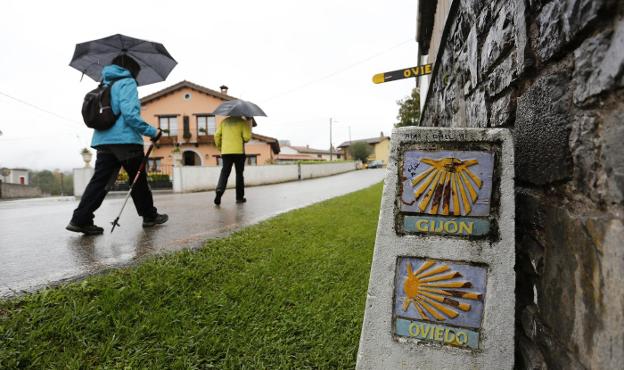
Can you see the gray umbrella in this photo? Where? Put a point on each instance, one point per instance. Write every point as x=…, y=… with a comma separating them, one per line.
x=239, y=108
x=155, y=61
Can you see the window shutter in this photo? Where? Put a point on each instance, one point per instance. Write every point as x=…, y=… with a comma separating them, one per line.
x=187, y=128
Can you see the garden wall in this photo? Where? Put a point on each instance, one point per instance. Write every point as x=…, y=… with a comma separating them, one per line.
x=193, y=178
x=13, y=191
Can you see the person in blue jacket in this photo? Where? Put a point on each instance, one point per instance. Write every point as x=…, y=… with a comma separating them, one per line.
x=119, y=146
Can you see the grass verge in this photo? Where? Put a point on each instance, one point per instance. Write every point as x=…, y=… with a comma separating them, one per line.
x=287, y=293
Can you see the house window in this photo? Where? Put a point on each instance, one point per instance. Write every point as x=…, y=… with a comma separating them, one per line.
x=169, y=125
x=153, y=165
x=206, y=125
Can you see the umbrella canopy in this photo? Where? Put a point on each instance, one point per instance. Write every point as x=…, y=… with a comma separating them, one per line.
x=239, y=108
x=155, y=61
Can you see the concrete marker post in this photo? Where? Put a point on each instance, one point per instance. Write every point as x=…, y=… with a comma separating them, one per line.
x=441, y=289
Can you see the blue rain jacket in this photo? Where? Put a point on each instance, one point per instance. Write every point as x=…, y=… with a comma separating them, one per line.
x=129, y=127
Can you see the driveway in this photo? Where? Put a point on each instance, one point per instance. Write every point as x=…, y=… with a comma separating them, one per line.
x=36, y=250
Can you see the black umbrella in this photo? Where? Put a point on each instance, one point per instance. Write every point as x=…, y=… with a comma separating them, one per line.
x=155, y=61
x=238, y=108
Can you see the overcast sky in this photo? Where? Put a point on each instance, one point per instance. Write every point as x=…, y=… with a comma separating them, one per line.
x=301, y=61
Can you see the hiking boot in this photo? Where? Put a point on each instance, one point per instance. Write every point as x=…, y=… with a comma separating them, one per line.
x=218, y=196
x=155, y=220
x=242, y=200
x=86, y=229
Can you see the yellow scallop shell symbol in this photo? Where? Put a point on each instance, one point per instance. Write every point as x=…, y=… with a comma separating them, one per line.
x=448, y=184
x=430, y=289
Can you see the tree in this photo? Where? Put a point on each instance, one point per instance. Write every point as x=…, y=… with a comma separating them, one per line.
x=409, y=110
x=45, y=181
x=360, y=150
x=50, y=182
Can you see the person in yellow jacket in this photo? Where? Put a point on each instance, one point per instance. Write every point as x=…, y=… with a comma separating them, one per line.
x=230, y=138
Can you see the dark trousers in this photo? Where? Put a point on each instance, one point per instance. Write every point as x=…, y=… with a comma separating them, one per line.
x=238, y=160
x=107, y=166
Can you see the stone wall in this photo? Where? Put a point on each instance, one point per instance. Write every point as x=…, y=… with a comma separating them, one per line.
x=552, y=72
x=13, y=191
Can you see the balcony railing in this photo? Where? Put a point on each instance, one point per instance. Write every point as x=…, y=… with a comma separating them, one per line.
x=168, y=140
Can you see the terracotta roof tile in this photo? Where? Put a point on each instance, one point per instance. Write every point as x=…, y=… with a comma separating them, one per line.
x=181, y=85
x=373, y=140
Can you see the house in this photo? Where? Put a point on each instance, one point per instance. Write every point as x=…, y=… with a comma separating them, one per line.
x=15, y=183
x=183, y=111
x=290, y=153
x=380, y=146
x=15, y=176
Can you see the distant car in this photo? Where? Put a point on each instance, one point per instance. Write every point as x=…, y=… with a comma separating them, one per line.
x=375, y=164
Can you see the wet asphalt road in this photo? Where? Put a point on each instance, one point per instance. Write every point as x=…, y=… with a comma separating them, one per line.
x=36, y=250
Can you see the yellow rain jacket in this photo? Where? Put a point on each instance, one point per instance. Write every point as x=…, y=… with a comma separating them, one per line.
x=231, y=135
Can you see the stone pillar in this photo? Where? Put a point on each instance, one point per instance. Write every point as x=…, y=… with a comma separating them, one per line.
x=81, y=179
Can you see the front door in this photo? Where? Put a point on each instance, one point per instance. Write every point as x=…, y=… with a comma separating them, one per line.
x=190, y=158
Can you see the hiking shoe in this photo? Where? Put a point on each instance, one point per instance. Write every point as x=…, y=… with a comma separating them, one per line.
x=242, y=200
x=155, y=220
x=218, y=196
x=86, y=229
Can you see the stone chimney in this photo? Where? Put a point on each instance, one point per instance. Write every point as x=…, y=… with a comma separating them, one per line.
x=381, y=134
x=224, y=89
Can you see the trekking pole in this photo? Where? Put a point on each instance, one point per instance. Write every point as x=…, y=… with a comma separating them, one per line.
x=136, y=177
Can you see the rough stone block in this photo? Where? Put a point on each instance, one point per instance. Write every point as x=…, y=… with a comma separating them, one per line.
x=521, y=37
x=472, y=56
x=613, y=155
x=452, y=100
x=462, y=71
x=477, y=115
x=408, y=322
x=556, y=355
x=502, y=110
x=459, y=32
x=573, y=319
x=578, y=281
x=535, y=5
x=503, y=75
x=589, y=175
x=472, y=8
x=560, y=21
x=586, y=58
x=483, y=21
x=599, y=64
x=542, y=131
x=551, y=36
x=532, y=357
x=579, y=13
x=498, y=40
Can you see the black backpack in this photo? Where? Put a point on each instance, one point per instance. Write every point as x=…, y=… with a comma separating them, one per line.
x=96, y=107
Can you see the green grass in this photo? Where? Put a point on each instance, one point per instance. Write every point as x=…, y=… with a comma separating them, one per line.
x=287, y=293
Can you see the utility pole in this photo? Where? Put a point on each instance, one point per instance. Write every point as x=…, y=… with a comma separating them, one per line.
x=331, y=146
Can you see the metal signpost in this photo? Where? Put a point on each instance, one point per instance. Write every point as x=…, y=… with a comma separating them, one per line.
x=400, y=74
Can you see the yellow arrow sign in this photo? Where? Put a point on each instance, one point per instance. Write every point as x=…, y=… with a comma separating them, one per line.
x=400, y=74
